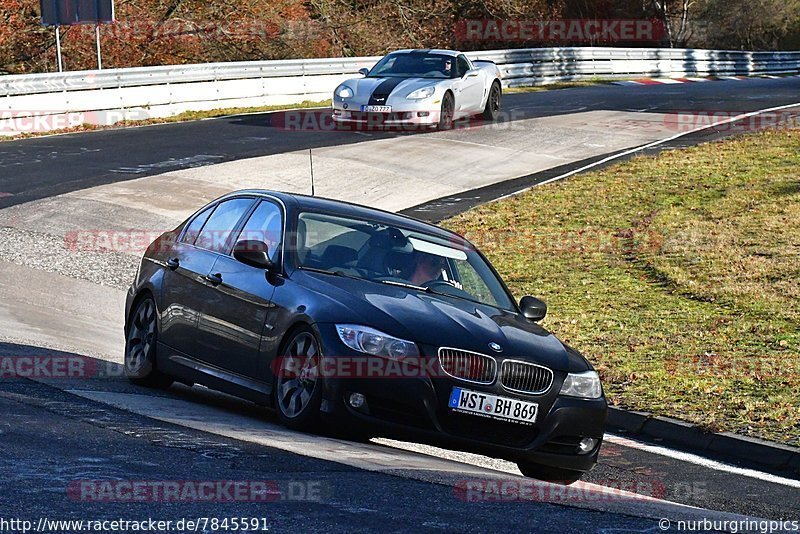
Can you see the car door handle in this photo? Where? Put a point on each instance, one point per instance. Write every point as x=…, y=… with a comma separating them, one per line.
x=215, y=279
x=173, y=263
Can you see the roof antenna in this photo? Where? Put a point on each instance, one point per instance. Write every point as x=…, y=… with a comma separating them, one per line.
x=311, y=161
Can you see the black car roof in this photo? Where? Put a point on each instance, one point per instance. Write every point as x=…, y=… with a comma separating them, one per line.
x=339, y=207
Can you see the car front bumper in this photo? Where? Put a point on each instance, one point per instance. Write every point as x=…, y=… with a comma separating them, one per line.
x=404, y=113
x=416, y=407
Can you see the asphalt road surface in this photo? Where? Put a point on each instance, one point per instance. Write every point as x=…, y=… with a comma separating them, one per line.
x=56, y=433
x=40, y=168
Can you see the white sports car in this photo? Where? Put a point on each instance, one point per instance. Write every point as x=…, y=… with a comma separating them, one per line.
x=420, y=87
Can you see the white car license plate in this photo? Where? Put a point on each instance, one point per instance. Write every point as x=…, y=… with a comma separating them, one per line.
x=492, y=406
x=376, y=109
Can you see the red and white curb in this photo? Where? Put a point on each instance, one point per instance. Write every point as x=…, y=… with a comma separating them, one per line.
x=670, y=81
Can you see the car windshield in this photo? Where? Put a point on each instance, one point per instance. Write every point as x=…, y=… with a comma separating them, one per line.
x=391, y=255
x=413, y=65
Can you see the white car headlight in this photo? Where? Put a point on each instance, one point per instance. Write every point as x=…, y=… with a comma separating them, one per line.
x=344, y=92
x=371, y=341
x=419, y=94
x=584, y=385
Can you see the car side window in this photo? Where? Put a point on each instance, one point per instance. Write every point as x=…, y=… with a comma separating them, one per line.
x=463, y=65
x=194, y=227
x=265, y=224
x=217, y=231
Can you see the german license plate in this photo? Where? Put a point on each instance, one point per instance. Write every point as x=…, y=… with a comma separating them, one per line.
x=376, y=109
x=492, y=406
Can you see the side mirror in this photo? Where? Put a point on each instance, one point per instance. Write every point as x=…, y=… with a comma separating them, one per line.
x=533, y=309
x=472, y=73
x=254, y=253
x=363, y=72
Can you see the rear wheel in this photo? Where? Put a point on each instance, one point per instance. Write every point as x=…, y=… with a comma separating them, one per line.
x=554, y=475
x=298, y=386
x=447, y=112
x=492, y=109
x=140, y=347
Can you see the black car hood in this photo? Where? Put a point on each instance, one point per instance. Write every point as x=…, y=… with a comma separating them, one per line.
x=437, y=320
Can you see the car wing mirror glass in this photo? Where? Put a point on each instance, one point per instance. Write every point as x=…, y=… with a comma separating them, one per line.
x=254, y=253
x=532, y=308
x=363, y=72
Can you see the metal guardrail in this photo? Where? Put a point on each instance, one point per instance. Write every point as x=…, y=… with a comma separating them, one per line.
x=113, y=94
x=207, y=72
x=532, y=66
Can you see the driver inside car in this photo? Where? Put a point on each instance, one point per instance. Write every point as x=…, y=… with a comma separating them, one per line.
x=427, y=268
x=447, y=67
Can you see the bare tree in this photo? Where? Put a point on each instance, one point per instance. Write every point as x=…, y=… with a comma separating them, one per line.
x=676, y=15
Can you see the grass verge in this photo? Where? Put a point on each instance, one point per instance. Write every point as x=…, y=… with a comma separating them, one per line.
x=678, y=276
x=554, y=86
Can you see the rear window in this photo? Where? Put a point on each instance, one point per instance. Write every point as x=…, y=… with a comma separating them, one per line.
x=217, y=231
x=194, y=227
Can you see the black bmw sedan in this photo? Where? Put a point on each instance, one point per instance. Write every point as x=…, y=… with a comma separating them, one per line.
x=364, y=320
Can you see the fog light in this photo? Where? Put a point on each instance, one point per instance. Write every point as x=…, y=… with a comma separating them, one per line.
x=586, y=445
x=357, y=400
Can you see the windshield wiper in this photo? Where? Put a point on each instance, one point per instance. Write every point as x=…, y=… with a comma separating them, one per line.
x=429, y=290
x=443, y=293
x=332, y=273
x=403, y=284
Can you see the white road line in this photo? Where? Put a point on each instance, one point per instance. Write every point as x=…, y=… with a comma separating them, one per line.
x=699, y=460
x=650, y=145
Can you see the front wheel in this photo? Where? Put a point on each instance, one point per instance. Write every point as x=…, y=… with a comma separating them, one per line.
x=446, y=113
x=298, y=385
x=553, y=475
x=140, y=347
x=492, y=109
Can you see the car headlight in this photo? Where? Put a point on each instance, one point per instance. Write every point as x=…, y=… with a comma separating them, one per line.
x=419, y=94
x=584, y=385
x=344, y=92
x=371, y=341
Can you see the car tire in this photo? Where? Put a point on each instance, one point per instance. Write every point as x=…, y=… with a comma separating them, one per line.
x=141, y=344
x=297, y=390
x=492, y=109
x=553, y=475
x=446, y=113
